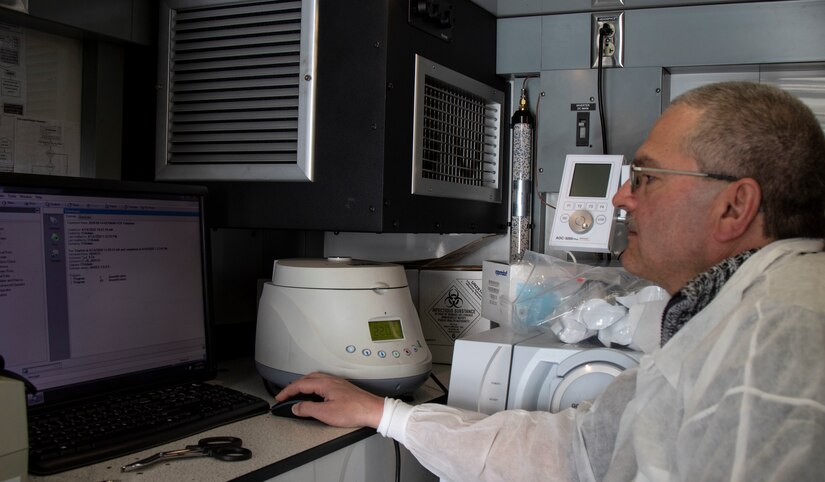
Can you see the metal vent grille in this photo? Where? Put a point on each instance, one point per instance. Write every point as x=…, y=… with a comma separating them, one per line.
x=457, y=135
x=238, y=100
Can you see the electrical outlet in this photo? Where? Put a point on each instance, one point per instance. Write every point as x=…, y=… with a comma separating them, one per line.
x=610, y=27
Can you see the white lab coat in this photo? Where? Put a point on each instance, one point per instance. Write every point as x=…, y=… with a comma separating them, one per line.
x=737, y=394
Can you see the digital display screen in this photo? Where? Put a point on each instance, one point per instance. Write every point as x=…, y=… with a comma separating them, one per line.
x=384, y=330
x=590, y=180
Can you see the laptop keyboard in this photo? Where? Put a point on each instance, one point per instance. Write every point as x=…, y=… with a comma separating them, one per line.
x=115, y=426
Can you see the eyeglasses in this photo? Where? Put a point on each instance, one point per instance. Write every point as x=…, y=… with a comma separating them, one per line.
x=636, y=179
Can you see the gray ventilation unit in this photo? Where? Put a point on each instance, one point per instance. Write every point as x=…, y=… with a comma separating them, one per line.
x=237, y=90
x=398, y=128
x=457, y=135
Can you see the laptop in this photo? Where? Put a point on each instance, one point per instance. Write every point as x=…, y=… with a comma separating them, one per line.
x=103, y=291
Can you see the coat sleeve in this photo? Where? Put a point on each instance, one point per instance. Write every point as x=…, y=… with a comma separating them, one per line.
x=460, y=445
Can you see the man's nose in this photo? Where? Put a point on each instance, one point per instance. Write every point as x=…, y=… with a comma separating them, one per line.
x=623, y=197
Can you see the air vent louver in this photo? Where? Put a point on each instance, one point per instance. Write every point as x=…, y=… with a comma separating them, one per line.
x=456, y=150
x=239, y=91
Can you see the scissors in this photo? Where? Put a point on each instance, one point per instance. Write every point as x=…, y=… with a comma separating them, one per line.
x=222, y=448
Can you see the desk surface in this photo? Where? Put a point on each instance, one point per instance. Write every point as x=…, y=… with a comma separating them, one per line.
x=278, y=444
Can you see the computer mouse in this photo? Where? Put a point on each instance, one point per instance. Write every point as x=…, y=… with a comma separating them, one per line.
x=284, y=408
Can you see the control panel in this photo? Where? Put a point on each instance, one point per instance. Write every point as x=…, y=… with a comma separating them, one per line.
x=387, y=341
x=435, y=17
x=395, y=351
x=584, y=217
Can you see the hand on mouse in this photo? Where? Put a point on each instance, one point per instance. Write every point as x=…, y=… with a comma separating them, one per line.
x=345, y=405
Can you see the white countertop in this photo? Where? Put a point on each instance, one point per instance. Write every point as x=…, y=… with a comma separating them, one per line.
x=278, y=444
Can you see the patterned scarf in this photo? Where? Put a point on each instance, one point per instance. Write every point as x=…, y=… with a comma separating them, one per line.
x=698, y=293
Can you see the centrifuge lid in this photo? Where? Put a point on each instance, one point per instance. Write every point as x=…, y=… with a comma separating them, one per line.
x=337, y=273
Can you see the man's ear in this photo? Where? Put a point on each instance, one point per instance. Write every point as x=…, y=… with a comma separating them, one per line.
x=738, y=206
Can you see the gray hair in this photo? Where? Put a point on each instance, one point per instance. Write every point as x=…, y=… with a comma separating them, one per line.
x=764, y=133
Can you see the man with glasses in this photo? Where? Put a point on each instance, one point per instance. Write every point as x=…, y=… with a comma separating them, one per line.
x=726, y=211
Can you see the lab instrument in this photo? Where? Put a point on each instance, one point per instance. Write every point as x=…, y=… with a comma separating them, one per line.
x=502, y=369
x=523, y=124
x=584, y=216
x=350, y=318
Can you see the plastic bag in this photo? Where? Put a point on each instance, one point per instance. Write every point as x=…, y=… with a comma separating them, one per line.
x=578, y=301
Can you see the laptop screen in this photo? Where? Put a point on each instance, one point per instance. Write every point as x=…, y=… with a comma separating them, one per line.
x=102, y=284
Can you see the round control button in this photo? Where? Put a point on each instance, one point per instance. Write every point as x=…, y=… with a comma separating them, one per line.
x=581, y=222
x=395, y=354
x=366, y=352
x=407, y=351
x=350, y=349
x=382, y=354
x=415, y=349
x=601, y=219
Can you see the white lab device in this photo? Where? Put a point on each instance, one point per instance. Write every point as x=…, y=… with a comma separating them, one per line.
x=500, y=369
x=480, y=373
x=346, y=317
x=584, y=219
x=549, y=375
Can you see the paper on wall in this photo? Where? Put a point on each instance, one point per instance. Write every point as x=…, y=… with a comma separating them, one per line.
x=37, y=146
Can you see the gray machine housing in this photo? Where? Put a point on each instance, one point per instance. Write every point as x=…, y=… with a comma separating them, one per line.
x=550, y=375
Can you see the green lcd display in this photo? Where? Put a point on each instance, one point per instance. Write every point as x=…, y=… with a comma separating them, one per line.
x=590, y=180
x=384, y=330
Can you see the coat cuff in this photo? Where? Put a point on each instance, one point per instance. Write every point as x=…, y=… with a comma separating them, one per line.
x=394, y=419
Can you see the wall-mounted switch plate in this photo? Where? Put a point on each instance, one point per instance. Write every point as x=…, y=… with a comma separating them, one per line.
x=612, y=39
x=582, y=129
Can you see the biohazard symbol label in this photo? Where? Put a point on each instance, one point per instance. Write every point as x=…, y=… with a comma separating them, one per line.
x=457, y=308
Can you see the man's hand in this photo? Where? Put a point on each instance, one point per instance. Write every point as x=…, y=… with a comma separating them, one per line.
x=344, y=405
